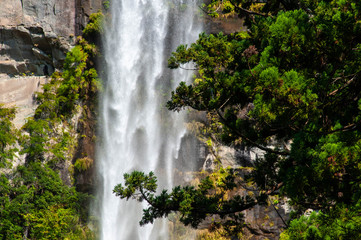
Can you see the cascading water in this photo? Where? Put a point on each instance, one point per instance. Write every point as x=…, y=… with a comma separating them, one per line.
x=136, y=132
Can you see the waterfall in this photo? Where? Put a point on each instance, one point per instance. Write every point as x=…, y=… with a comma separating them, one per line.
x=136, y=131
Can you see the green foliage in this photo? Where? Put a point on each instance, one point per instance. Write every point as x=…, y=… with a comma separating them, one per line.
x=34, y=201
x=106, y=5
x=339, y=223
x=290, y=86
x=78, y=83
x=215, y=235
x=285, y=83
x=250, y=9
x=211, y=196
x=50, y=130
x=8, y=136
x=83, y=164
x=95, y=23
x=73, y=79
x=35, y=145
x=53, y=223
x=37, y=204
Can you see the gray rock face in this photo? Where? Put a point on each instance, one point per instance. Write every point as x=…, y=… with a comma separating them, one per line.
x=19, y=92
x=51, y=15
x=36, y=34
x=29, y=51
x=230, y=157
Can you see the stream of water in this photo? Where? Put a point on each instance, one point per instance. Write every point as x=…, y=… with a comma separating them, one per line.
x=136, y=131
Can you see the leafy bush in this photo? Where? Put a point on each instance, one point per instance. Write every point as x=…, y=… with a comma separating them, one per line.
x=83, y=164
x=37, y=202
x=106, y=5
x=8, y=136
x=95, y=24
x=340, y=223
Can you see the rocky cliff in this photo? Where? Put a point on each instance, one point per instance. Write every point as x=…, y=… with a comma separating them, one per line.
x=34, y=38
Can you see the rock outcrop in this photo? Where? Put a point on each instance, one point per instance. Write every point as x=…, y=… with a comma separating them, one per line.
x=34, y=39
x=35, y=35
x=19, y=92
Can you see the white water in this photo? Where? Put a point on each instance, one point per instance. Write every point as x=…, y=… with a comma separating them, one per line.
x=136, y=131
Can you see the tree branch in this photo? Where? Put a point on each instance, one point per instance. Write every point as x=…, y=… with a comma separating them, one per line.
x=284, y=153
x=207, y=12
x=189, y=69
x=349, y=127
x=343, y=87
x=245, y=11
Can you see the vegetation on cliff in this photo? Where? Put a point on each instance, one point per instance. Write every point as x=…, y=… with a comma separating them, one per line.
x=8, y=136
x=35, y=203
x=289, y=86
